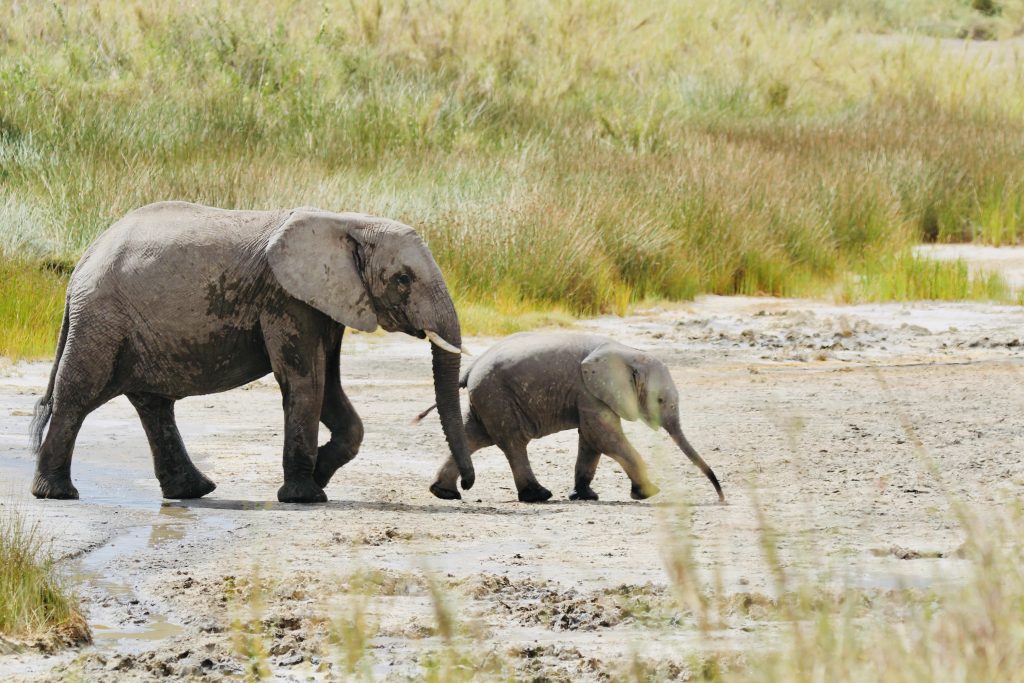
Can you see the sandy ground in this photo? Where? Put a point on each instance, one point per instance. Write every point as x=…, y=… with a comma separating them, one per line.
x=817, y=408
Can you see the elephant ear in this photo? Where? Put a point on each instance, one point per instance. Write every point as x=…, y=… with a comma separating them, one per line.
x=315, y=257
x=610, y=376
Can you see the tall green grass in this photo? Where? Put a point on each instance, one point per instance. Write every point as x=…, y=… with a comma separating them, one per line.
x=34, y=604
x=31, y=306
x=557, y=156
x=908, y=277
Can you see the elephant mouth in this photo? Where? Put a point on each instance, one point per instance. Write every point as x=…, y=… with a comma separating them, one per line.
x=390, y=325
x=394, y=322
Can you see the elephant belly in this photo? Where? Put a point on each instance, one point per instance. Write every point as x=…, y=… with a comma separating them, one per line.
x=219, y=362
x=552, y=424
x=511, y=410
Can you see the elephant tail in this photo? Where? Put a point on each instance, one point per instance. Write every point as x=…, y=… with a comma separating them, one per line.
x=416, y=420
x=44, y=408
x=463, y=380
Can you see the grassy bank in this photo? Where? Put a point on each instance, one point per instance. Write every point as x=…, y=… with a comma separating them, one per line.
x=34, y=604
x=563, y=156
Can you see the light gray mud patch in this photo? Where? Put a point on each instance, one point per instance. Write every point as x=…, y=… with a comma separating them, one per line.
x=123, y=616
x=809, y=402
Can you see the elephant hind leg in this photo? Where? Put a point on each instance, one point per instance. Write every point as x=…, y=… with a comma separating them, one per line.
x=83, y=381
x=587, y=459
x=527, y=486
x=175, y=471
x=446, y=483
x=53, y=464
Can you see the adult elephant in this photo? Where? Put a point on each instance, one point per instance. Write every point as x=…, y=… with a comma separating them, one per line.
x=177, y=299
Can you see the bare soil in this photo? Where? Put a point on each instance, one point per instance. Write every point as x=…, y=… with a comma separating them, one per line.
x=851, y=427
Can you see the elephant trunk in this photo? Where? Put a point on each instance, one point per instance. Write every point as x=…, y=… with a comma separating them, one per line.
x=446, y=387
x=676, y=432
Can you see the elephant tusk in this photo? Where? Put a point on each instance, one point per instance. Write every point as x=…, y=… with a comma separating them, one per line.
x=465, y=351
x=436, y=339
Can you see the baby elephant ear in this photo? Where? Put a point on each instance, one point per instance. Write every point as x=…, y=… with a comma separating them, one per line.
x=314, y=257
x=610, y=377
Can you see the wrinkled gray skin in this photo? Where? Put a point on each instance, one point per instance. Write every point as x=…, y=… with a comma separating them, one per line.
x=178, y=299
x=533, y=384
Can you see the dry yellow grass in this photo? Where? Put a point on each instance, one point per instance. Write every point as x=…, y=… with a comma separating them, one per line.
x=35, y=606
x=570, y=157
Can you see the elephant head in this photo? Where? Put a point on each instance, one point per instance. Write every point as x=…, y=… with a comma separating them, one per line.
x=365, y=271
x=636, y=385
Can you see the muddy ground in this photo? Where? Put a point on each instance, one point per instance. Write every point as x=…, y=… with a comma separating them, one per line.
x=831, y=414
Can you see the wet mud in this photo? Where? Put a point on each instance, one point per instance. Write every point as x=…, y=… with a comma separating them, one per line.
x=822, y=411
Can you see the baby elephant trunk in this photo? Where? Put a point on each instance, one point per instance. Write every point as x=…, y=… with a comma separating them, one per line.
x=676, y=432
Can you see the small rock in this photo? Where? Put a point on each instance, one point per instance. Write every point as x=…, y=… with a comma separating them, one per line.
x=290, y=660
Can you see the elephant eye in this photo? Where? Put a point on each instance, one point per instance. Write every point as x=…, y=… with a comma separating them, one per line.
x=403, y=279
x=661, y=400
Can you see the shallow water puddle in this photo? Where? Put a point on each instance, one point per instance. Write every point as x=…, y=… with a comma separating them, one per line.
x=117, y=614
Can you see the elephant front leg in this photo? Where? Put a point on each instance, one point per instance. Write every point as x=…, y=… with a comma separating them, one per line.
x=301, y=417
x=602, y=429
x=297, y=358
x=340, y=417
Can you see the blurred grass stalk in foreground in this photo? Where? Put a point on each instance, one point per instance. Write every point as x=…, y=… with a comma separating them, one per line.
x=816, y=629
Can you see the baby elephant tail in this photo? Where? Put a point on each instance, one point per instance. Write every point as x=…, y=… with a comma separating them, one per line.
x=416, y=420
x=462, y=385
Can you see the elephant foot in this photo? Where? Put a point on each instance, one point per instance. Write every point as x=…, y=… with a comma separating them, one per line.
x=643, y=491
x=444, y=493
x=301, y=491
x=534, y=494
x=583, y=493
x=329, y=459
x=58, y=487
x=194, y=485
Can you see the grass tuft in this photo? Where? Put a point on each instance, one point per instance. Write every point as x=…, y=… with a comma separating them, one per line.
x=35, y=606
x=908, y=277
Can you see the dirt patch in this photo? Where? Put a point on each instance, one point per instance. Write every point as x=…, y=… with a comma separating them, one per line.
x=546, y=604
x=824, y=410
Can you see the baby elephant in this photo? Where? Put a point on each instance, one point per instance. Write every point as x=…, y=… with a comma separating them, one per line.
x=530, y=385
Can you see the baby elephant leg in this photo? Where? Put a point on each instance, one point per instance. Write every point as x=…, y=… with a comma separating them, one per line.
x=530, y=490
x=603, y=429
x=446, y=483
x=587, y=459
x=635, y=468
